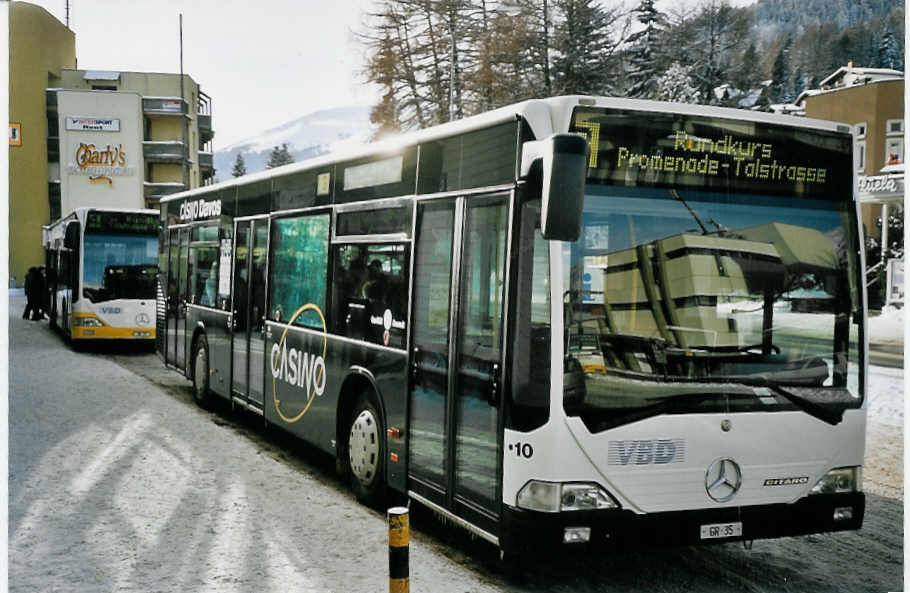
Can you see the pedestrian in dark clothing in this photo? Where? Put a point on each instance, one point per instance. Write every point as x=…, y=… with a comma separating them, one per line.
x=34, y=295
x=29, y=304
x=39, y=294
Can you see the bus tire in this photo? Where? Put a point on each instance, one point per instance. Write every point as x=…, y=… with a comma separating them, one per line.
x=202, y=395
x=366, y=452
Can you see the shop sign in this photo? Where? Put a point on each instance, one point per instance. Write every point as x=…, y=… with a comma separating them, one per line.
x=881, y=184
x=92, y=124
x=101, y=164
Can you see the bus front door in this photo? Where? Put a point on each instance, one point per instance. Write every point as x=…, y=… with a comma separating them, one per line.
x=456, y=367
x=178, y=246
x=248, y=341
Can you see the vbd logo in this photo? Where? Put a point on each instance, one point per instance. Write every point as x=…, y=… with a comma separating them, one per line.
x=646, y=452
x=111, y=310
x=298, y=368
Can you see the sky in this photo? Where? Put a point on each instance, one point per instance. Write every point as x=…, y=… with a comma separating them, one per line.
x=263, y=62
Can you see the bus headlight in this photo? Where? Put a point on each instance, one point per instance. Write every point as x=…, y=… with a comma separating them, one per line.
x=840, y=480
x=551, y=497
x=87, y=322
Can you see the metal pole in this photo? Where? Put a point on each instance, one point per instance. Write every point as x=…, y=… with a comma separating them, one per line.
x=451, y=68
x=183, y=115
x=399, y=538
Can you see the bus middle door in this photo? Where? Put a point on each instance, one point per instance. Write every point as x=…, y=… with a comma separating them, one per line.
x=249, y=285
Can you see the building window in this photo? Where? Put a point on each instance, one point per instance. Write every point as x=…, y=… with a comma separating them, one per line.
x=103, y=87
x=894, y=151
x=894, y=127
x=861, y=155
x=860, y=130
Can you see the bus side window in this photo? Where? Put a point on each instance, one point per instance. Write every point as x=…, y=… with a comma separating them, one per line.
x=371, y=293
x=299, y=267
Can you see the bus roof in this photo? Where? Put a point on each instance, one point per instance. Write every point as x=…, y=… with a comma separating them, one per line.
x=544, y=116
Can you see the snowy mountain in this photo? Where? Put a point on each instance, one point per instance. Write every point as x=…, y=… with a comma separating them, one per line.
x=308, y=136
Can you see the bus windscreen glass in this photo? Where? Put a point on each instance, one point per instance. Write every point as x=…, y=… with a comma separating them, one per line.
x=119, y=266
x=717, y=270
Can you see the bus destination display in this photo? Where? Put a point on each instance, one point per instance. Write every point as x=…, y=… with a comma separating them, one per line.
x=667, y=150
x=121, y=222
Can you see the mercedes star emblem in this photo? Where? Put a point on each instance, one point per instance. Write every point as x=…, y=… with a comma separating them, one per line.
x=142, y=319
x=723, y=479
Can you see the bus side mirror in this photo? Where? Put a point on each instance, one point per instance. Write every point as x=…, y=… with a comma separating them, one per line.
x=71, y=238
x=561, y=161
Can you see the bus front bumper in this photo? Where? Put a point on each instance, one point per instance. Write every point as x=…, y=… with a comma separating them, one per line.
x=113, y=333
x=623, y=529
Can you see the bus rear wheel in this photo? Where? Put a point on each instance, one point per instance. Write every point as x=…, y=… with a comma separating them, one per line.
x=201, y=393
x=366, y=452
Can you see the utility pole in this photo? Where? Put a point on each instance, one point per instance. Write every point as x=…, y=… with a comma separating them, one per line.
x=183, y=115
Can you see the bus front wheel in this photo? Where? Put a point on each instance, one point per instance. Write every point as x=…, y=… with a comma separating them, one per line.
x=201, y=393
x=366, y=452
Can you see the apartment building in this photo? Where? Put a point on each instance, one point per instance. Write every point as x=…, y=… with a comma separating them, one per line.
x=92, y=137
x=872, y=100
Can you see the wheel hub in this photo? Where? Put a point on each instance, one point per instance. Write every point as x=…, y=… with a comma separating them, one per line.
x=363, y=447
x=200, y=371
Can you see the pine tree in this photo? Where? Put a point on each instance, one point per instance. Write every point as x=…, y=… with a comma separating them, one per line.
x=239, y=168
x=645, y=54
x=676, y=85
x=889, y=55
x=780, y=75
x=584, y=47
x=279, y=156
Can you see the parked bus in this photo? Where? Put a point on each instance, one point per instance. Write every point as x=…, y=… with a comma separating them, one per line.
x=101, y=267
x=568, y=320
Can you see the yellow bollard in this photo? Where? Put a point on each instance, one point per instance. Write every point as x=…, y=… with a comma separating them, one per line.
x=399, y=537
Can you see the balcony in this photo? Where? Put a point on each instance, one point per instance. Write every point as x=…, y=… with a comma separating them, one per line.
x=205, y=128
x=154, y=191
x=53, y=148
x=165, y=106
x=206, y=164
x=168, y=151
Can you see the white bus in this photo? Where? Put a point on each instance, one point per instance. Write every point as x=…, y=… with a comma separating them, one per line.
x=568, y=321
x=101, y=267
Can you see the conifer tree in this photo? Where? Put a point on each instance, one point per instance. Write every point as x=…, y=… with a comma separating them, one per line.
x=279, y=156
x=239, y=168
x=584, y=47
x=645, y=54
x=676, y=85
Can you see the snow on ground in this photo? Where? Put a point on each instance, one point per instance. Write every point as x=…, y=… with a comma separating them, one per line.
x=886, y=395
x=887, y=328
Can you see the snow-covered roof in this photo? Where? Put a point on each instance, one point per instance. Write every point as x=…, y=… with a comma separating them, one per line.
x=850, y=75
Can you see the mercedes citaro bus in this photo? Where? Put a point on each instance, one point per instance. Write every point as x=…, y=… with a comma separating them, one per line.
x=101, y=267
x=573, y=320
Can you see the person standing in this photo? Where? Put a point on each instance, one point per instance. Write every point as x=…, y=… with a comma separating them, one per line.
x=29, y=302
x=39, y=294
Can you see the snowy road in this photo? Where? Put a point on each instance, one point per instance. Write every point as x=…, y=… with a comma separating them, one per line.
x=118, y=482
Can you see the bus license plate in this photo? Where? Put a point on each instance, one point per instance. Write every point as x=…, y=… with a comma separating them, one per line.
x=717, y=530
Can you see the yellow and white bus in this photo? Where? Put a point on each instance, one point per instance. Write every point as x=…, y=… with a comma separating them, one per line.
x=101, y=274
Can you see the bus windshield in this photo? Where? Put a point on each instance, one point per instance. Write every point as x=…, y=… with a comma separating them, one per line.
x=119, y=266
x=688, y=292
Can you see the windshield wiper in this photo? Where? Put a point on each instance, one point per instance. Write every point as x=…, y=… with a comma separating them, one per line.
x=825, y=403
